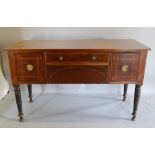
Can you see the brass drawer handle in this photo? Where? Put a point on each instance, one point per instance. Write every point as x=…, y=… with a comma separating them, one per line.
x=125, y=68
x=61, y=58
x=29, y=67
x=94, y=57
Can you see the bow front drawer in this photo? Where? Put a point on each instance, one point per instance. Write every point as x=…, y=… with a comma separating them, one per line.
x=77, y=74
x=68, y=57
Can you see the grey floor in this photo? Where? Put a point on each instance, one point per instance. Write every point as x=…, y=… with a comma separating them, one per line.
x=77, y=110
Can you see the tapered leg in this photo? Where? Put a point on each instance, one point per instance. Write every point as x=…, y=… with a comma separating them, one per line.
x=136, y=100
x=29, y=86
x=18, y=102
x=125, y=92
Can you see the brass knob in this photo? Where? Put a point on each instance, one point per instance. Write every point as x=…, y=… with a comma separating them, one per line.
x=61, y=58
x=93, y=57
x=29, y=67
x=125, y=68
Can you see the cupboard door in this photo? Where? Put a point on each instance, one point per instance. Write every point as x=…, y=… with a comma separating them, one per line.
x=124, y=66
x=29, y=67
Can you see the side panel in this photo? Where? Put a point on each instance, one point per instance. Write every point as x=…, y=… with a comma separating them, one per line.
x=141, y=68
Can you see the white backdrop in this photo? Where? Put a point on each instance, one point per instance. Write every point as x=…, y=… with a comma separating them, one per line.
x=4, y=87
x=144, y=35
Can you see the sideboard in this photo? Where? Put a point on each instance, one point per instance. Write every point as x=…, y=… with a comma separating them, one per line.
x=113, y=61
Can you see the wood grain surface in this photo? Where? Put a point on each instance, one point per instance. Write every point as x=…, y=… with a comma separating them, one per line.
x=114, y=44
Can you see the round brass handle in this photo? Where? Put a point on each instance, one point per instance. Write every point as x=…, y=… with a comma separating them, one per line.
x=29, y=67
x=125, y=68
x=94, y=57
x=61, y=58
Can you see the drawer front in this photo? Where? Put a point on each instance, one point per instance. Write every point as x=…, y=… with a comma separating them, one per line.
x=76, y=74
x=124, y=67
x=29, y=67
x=61, y=57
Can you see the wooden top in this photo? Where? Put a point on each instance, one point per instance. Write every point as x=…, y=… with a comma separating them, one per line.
x=108, y=44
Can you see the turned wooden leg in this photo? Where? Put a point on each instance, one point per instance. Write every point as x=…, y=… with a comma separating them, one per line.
x=125, y=92
x=18, y=102
x=29, y=86
x=136, y=100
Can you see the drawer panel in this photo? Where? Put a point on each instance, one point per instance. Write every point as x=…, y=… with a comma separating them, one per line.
x=124, y=66
x=76, y=74
x=60, y=57
x=29, y=67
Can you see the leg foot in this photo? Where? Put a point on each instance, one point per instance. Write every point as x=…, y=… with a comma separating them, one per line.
x=21, y=119
x=133, y=116
x=18, y=101
x=30, y=100
x=29, y=86
x=136, y=101
x=125, y=92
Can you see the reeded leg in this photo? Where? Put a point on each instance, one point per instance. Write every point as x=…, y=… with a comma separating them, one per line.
x=29, y=86
x=125, y=92
x=136, y=100
x=18, y=102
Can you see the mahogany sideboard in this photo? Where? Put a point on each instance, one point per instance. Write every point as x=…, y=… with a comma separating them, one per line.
x=113, y=61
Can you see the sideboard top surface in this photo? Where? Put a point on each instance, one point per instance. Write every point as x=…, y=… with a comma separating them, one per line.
x=107, y=44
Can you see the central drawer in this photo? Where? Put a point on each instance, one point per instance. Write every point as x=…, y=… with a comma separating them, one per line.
x=64, y=57
x=73, y=67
